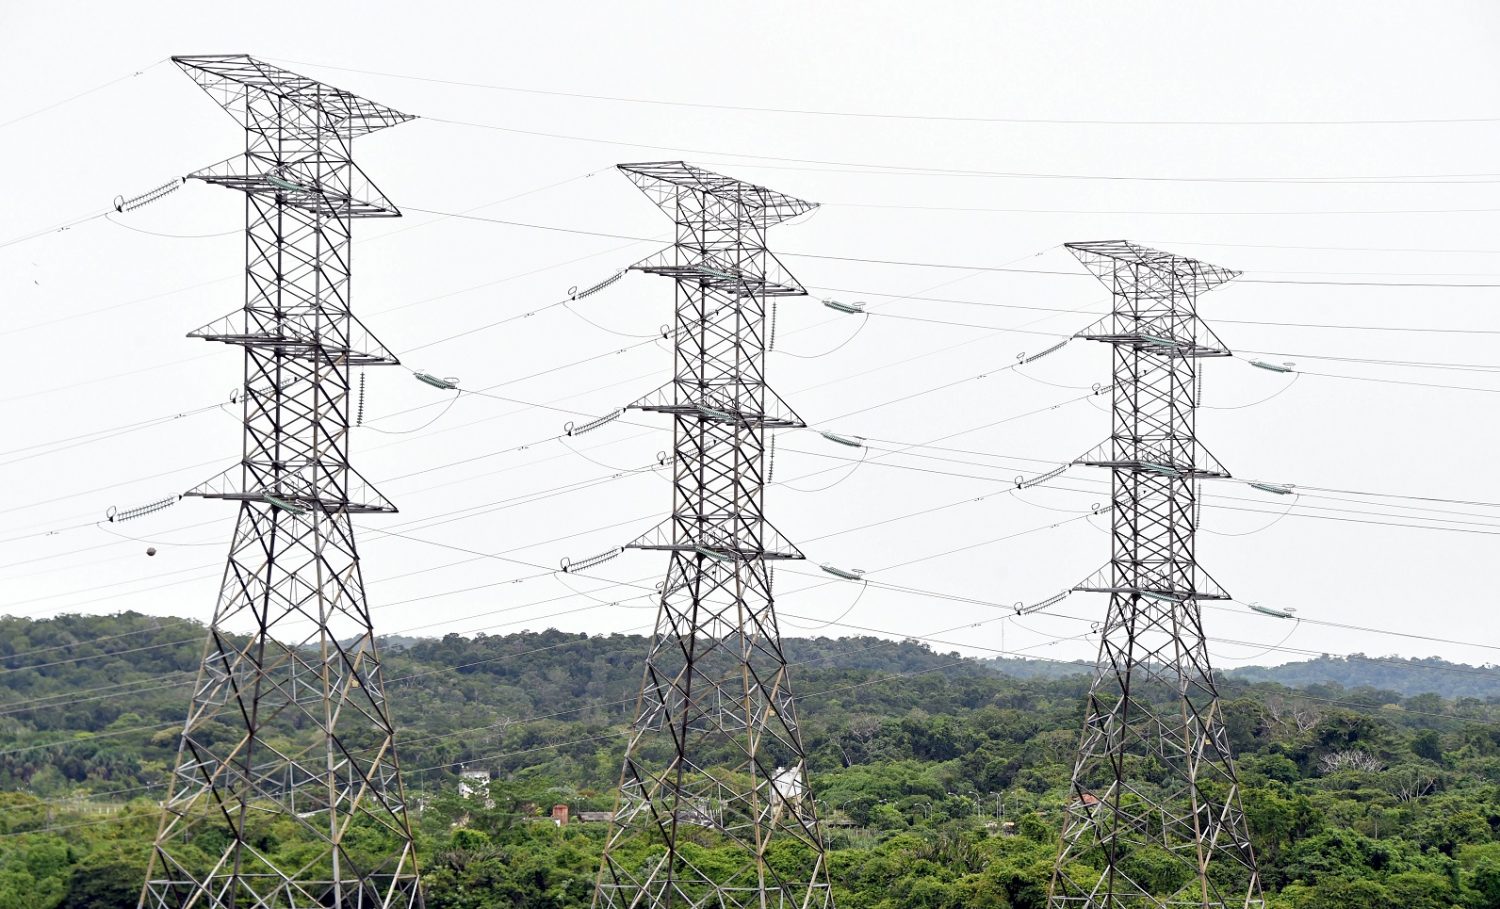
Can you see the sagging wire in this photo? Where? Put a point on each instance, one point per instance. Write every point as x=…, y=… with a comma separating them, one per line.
x=1095, y=511
x=401, y=432
x=1032, y=378
x=157, y=233
x=856, y=308
x=1098, y=389
x=863, y=453
x=1280, y=368
x=112, y=515
x=1272, y=523
x=623, y=603
x=574, y=295
x=1024, y=359
x=102, y=525
x=836, y=619
x=622, y=334
x=1276, y=394
x=442, y=383
x=618, y=471
x=1278, y=613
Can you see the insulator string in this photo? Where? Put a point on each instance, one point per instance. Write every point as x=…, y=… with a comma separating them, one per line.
x=123, y=204
x=568, y=565
x=115, y=517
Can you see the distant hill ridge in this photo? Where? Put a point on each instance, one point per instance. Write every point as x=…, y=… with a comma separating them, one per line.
x=75, y=645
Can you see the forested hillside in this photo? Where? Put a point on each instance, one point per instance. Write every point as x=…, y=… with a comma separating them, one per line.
x=940, y=779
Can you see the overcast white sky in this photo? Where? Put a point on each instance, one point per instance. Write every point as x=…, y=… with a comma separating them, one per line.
x=95, y=316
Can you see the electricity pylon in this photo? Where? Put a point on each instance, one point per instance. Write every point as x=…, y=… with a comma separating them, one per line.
x=715, y=754
x=1155, y=818
x=288, y=737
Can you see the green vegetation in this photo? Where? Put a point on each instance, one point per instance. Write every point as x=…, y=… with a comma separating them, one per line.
x=940, y=780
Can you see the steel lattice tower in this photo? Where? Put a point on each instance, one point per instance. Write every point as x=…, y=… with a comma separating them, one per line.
x=288, y=735
x=1154, y=776
x=715, y=754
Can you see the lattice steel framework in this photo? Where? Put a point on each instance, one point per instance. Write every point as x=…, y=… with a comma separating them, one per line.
x=288, y=726
x=1155, y=817
x=715, y=753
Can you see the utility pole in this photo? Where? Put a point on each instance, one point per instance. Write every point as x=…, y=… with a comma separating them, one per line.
x=715, y=743
x=288, y=728
x=1154, y=774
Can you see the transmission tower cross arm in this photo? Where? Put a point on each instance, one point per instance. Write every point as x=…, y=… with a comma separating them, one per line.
x=1155, y=297
x=670, y=184
x=1113, y=260
x=240, y=81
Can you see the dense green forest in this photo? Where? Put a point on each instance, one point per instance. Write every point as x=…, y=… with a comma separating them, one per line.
x=1375, y=783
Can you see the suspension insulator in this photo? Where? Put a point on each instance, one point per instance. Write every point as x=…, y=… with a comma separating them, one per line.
x=1280, y=489
x=284, y=505
x=1273, y=611
x=571, y=430
x=1026, y=483
x=568, y=565
x=1051, y=350
x=448, y=383
x=1037, y=607
x=851, y=441
x=576, y=294
x=712, y=414
x=130, y=514
x=123, y=204
x=850, y=574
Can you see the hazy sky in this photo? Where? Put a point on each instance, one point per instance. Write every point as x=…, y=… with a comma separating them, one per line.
x=1219, y=93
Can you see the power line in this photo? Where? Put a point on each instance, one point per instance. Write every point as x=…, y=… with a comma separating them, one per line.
x=86, y=92
x=908, y=263
x=1050, y=121
x=1268, y=322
